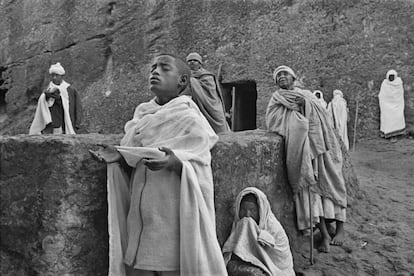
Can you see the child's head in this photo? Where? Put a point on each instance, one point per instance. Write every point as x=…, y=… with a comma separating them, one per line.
x=249, y=207
x=169, y=76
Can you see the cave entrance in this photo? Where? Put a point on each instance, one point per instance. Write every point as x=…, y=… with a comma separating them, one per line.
x=240, y=102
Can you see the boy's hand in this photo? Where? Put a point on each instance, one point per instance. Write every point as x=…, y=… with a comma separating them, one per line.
x=169, y=162
x=107, y=154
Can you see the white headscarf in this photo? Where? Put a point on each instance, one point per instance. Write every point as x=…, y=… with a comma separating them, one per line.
x=283, y=68
x=321, y=99
x=57, y=69
x=275, y=257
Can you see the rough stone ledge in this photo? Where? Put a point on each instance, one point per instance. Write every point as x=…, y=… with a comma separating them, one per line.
x=53, y=198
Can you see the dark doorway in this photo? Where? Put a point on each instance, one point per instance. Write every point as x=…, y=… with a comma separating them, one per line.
x=240, y=102
x=4, y=87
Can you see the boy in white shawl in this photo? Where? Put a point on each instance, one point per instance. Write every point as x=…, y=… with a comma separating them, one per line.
x=391, y=102
x=258, y=244
x=313, y=156
x=161, y=218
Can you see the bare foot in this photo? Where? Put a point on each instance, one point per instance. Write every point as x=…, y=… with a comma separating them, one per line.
x=339, y=238
x=324, y=246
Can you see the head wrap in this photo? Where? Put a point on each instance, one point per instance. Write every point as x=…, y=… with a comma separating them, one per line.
x=318, y=92
x=194, y=56
x=338, y=92
x=56, y=69
x=392, y=72
x=285, y=69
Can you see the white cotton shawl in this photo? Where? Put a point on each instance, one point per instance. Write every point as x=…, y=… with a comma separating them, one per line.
x=391, y=102
x=43, y=117
x=338, y=112
x=180, y=126
x=275, y=258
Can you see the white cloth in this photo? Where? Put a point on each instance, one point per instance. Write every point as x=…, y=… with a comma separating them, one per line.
x=57, y=69
x=391, y=102
x=321, y=100
x=246, y=238
x=43, y=117
x=180, y=126
x=338, y=112
x=283, y=68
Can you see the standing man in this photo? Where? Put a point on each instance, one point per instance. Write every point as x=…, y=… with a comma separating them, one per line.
x=205, y=92
x=391, y=102
x=59, y=108
x=313, y=156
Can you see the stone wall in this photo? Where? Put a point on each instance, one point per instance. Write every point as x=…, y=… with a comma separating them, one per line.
x=53, y=198
x=106, y=47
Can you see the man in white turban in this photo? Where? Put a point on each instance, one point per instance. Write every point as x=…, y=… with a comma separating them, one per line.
x=338, y=111
x=205, y=92
x=59, y=109
x=391, y=102
x=319, y=95
x=313, y=156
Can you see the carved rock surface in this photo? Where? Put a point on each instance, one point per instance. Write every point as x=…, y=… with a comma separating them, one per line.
x=53, y=198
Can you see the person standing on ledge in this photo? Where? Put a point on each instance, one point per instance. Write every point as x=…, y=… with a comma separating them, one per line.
x=59, y=108
x=313, y=156
x=205, y=92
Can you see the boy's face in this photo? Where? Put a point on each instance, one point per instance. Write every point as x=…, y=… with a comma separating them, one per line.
x=164, y=77
x=249, y=209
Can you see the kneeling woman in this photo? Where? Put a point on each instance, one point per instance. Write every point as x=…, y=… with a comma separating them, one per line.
x=258, y=244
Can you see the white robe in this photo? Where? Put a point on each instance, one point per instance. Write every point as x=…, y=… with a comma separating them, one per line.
x=338, y=112
x=391, y=102
x=43, y=117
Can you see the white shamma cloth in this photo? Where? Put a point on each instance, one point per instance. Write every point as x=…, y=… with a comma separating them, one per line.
x=265, y=245
x=179, y=211
x=391, y=102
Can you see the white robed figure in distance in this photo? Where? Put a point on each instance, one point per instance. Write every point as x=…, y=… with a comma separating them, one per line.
x=391, y=102
x=338, y=111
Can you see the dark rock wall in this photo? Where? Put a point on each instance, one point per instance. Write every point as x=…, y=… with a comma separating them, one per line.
x=106, y=47
x=53, y=198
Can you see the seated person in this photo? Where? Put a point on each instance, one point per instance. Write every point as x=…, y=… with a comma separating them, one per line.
x=257, y=245
x=161, y=218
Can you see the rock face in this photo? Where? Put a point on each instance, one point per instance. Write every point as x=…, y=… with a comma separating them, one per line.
x=106, y=47
x=53, y=198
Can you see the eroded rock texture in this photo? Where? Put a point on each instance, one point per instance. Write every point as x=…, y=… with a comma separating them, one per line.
x=53, y=199
x=106, y=47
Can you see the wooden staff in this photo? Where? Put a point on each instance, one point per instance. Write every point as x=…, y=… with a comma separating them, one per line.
x=355, y=122
x=311, y=226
